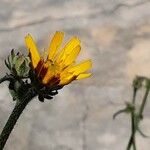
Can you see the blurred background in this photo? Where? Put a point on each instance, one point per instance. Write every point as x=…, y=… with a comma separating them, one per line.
x=115, y=34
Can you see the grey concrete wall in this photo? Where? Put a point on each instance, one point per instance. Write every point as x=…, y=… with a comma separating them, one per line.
x=115, y=34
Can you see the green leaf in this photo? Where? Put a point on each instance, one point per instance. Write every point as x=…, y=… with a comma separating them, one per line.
x=12, y=54
x=13, y=94
x=6, y=63
x=21, y=70
x=141, y=133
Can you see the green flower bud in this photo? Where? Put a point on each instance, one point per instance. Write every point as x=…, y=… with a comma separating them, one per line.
x=18, y=64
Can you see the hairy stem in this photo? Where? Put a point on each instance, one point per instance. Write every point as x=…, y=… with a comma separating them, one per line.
x=6, y=78
x=19, y=107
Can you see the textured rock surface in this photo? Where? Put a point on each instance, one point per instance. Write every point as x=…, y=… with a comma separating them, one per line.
x=116, y=35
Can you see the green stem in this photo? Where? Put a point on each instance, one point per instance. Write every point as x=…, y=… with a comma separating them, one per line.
x=133, y=120
x=143, y=103
x=19, y=107
x=132, y=137
x=135, y=123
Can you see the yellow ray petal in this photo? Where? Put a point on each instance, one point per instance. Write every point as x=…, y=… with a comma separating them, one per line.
x=81, y=68
x=48, y=76
x=35, y=57
x=68, y=49
x=73, y=55
x=51, y=72
x=84, y=75
x=66, y=80
x=55, y=44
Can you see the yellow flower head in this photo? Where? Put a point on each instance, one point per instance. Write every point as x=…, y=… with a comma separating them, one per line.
x=58, y=67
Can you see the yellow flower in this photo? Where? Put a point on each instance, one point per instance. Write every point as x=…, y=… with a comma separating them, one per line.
x=58, y=67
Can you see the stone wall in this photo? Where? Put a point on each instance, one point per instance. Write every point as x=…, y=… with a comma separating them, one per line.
x=116, y=35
